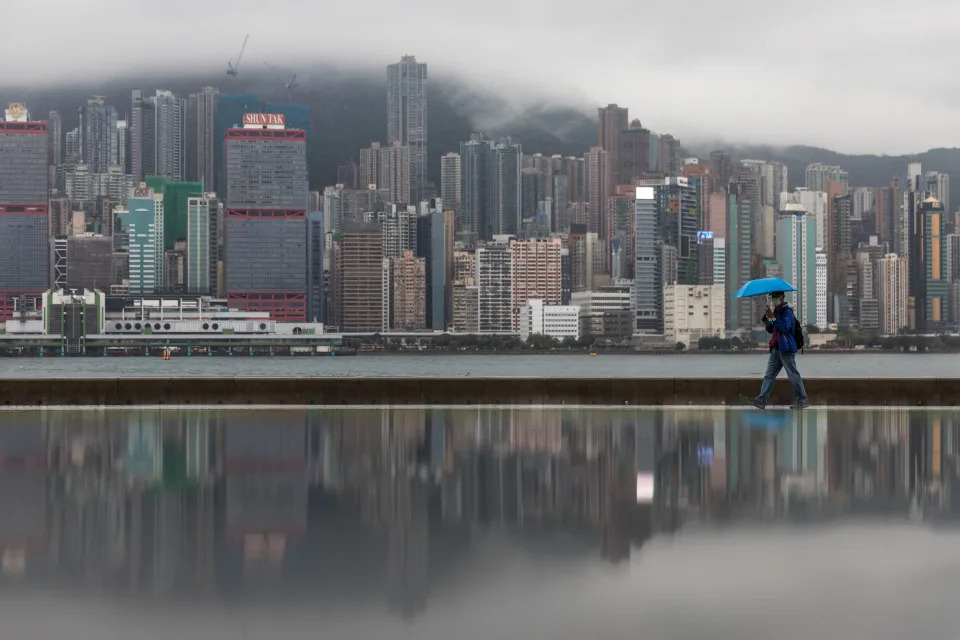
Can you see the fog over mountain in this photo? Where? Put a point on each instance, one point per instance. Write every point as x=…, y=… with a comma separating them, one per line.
x=348, y=107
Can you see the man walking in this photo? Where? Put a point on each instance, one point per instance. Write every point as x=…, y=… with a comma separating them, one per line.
x=780, y=323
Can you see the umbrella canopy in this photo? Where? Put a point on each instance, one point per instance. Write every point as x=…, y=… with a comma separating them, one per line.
x=763, y=286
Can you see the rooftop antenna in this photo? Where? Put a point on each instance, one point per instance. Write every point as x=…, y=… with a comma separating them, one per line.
x=235, y=70
x=290, y=87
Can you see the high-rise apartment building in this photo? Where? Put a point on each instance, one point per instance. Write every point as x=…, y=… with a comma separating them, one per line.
x=361, y=281
x=399, y=225
x=742, y=203
x=265, y=217
x=819, y=175
x=142, y=224
x=495, y=288
x=596, y=163
x=535, y=272
x=318, y=271
x=169, y=134
x=98, y=134
x=24, y=223
x=71, y=146
x=931, y=303
x=136, y=126
x=671, y=156
x=937, y=185
x=407, y=116
x=892, y=283
x=797, y=255
x=474, y=179
x=450, y=181
x=387, y=168
x=407, y=306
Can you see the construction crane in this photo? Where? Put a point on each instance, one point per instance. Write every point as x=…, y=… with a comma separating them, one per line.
x=291, y=86
x=235, y=70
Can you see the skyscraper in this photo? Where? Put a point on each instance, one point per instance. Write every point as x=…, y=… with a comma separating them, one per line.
x=505, y=190
x=648, y=266
x=407, y=306
x=535, y=272
x=362, y=283
x=612, y=122
x=169, y=134
x=90, y=262
x=136, y=134
x=202, y=215
x=671, y=158
x=633, y=155
x=98, y=134
x=201, y=152
x=931, y=305
x=265, y=217
x=54, y=148
x=435, y=237
x=316, y=272
x=143, y=225
x=474, y=179
x=450, y=181
x=24, y=248
x=387, y=168
x=407, y=116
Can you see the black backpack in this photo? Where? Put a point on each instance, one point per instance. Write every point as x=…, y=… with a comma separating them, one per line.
x=798, y=333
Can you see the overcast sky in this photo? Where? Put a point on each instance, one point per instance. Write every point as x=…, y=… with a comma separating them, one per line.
x=867, y=76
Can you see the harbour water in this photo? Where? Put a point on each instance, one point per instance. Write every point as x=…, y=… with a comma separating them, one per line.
x=813, y=365
x=479, y=523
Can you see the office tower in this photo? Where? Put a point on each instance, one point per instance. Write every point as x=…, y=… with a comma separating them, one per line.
x=505, y=190
x=265, y=217
x=495, y=283
x=199, y=137
x=98, y=134
x=678, y=223
x=348, y=174
x=407, y=116
x=892, y=283
x=815, y=204
x=819, y=175
x=435, y=238
x=671, y=157
x=885, y=207
x=952, y=260
x=316, y=284
x=474, y=179
x=142, y=224
x=450, y=181
x=407, y=306
x=175, y=198
x=387, y=168
x=648, y=268
x=612, y=121
x=634, y=153
x=136, y=134
x=24, y=222
x=534, y=194
x=620, y=215
x=596, y=163
x=362, y=283
x=89, y=262
x=203, y=212
x=797, y=256
x=931, y=276
x=937, y=185
x=54, y=150
x=535, y=272
x=717, y=218
x=123, y=143
x=742, y=202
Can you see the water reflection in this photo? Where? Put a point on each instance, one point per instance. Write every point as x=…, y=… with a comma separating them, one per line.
x=354, y=505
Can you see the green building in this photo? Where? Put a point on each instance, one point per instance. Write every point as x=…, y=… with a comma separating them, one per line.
x=175, y=196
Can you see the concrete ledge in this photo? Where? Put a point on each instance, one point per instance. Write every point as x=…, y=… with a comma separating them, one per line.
x=468, y=391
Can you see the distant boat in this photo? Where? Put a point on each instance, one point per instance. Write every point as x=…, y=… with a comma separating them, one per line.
x=593, y=355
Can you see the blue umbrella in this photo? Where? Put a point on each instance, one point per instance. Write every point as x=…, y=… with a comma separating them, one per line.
x=763, y=286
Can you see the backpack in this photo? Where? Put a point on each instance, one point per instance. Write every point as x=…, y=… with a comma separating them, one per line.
x=798, y=333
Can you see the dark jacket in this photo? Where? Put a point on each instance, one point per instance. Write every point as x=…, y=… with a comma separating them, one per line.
x=783, y=322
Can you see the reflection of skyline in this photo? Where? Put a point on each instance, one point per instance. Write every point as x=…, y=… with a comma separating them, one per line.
x=391, y=501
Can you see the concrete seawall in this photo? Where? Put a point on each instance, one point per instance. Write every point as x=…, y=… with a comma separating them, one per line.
x=467, y=391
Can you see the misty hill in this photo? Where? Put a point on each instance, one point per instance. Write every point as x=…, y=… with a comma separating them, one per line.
x=348, y=109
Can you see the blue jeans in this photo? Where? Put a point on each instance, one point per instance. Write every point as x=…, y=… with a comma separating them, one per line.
x=776, y=362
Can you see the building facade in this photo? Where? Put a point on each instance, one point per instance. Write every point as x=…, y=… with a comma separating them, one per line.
x=535, y=272
x=408, y=303
x=797, y=256
x=265, y=217
x=407, y=116
x=693, y=311
x=556, y=321
x=363, y=298
x=495, y=288
x=892, y=283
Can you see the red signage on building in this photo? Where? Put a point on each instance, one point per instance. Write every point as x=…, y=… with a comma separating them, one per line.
x=264, y=119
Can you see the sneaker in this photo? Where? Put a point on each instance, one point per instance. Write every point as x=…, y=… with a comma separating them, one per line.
x=758, y=403
x=800, y=404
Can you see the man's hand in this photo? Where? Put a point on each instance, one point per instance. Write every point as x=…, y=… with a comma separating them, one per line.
x=769, y=313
